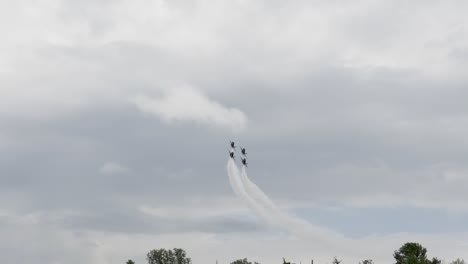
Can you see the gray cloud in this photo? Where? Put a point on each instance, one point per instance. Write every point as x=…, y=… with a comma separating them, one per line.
x=347, y=106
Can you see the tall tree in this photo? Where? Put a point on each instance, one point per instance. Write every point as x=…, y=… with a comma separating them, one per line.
x=163, y=256
x=243, y=261
x=180, y=256
x=157, y=256
x=413, y=253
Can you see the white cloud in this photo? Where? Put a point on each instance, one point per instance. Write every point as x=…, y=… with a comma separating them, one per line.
x=188, y=104
x=111, y=167
x=253, y=38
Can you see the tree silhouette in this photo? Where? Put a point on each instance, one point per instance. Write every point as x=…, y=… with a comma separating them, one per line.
x=243, y=261
x=413, y=253
x=163, y=256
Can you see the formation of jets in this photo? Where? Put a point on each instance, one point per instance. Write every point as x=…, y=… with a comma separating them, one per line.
x=243, y=151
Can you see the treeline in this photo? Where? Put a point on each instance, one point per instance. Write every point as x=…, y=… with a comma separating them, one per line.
x=409, y=253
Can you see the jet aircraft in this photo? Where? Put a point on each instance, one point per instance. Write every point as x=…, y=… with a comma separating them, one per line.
x=232, y=144
x=231, y=154
x=243, y=151
x=244, y=162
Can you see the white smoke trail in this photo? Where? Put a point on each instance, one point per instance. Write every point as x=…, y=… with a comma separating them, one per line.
x=239, y=190
x=297, y=226
x=256, y=193
x=262, y=205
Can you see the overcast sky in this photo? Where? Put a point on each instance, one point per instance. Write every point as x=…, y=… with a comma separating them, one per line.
x=115, y=119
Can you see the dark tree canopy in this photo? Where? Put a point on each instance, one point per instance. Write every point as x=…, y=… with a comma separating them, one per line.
x=130, y=262
x=413, y=253
x=243, y=261
x=163, y=256
x=367, y=261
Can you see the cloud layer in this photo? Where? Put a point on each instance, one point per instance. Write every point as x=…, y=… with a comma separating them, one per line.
x=187, y=104
x=115, y=118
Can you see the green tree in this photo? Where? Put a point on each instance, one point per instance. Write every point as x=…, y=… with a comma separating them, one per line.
x=243, y=261
x=163, y=256
x=367, y=261
x=413, y=253
x=130, y=262
x=180, y=256
x=157, y=256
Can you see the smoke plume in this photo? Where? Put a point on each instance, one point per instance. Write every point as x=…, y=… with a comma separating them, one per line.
x=264, y=207
x=239, y=190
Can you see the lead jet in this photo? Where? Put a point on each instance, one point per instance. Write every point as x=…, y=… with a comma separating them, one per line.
x=231, y=154
x=232, y=144
x=244, y=162
x=243, y=151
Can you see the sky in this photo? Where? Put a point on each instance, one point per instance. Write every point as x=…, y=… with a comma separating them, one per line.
x=115, y=119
